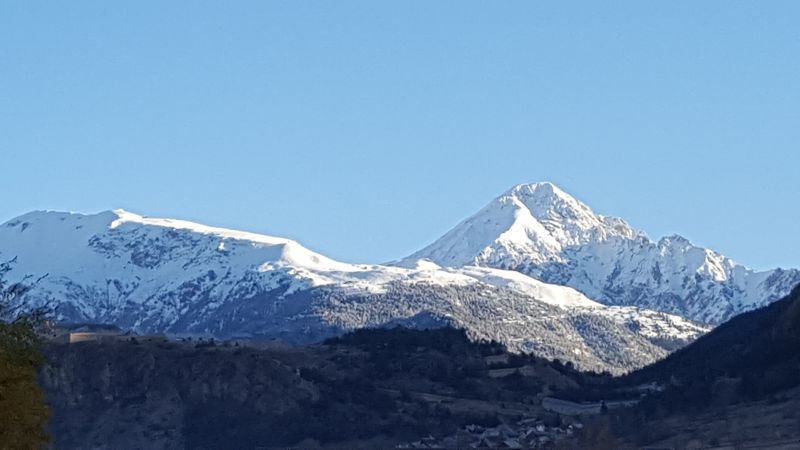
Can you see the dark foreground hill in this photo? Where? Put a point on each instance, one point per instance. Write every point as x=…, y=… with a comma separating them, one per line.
x=739, y=385
x=372, y=388
x=756, y=354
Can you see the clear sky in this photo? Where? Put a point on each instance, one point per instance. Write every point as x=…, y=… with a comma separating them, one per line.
x=367, y=129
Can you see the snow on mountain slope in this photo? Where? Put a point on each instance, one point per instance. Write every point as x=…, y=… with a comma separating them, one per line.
x=163, y=275
x=539, y=230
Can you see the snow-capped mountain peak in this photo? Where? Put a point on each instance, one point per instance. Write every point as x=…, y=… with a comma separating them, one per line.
x=541, y=231
x=124, y=217
x=287, y=251
x=566, y=218
x=546, y=201
x=533, y=222
x=68, y=234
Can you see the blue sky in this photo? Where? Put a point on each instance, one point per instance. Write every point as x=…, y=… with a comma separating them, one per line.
x=367, y=129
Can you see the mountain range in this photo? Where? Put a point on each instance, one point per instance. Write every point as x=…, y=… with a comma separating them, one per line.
x=539, y=230
x=536, y=270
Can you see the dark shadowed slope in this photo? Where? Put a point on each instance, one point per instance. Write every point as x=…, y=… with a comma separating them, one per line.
x=736, y=387
x=761, y=348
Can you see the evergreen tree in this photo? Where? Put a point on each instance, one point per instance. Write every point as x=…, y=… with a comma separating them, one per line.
x=23, y=413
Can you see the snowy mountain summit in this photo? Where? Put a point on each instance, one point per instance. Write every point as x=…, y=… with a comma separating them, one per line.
x=540, y=230
x=170, y=276
x=531, y=223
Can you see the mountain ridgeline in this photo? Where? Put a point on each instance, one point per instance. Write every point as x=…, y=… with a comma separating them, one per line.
x=535, y=270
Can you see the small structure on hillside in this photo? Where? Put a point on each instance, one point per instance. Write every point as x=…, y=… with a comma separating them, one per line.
x=570, y=408
x=496, y=359
x=86, y=332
